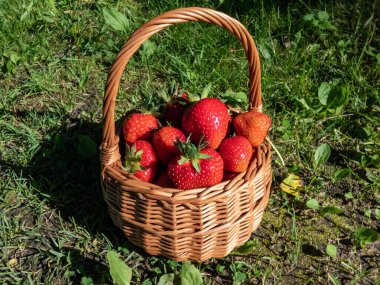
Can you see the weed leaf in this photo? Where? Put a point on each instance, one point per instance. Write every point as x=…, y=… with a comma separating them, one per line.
x=246, y=248
x=190, y=275
x=331, y=250
x=330, y=210
x=166, y=279
x=322, y=154
x=148, y=50
x=313, y=204
x=86, y=146
x=308, y=17
x=365, y=235
x=235, y=99
x=342, y=173
x=86, y=281
x=206, y=91
x=118, y=21
x=120, y=272
x=27, y=11
x=323, y=16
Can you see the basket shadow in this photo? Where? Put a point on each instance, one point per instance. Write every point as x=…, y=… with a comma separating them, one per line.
x=66, y=172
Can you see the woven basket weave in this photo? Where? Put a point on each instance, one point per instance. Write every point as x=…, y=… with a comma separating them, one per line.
x=195, y=224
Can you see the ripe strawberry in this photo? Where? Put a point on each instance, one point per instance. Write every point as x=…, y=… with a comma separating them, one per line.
x=163, y=142
x=175, y=109
x=236, y=153
x=228, y=175
x=139, y=127
x=252, y=125
x=196, y=167
x=141, y=160
x=209, y=118
x=163, y=180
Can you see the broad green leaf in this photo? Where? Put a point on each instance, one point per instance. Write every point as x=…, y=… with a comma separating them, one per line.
x=332, y=96
x=337, y=97
x=292, y=184
x=331, y=250
x=365, y=235
x=330, y=210
x=342, y=173
x=120, y=272
x=166, y=279
x=86, y=146
x=313, y=204
x=323, y=93
x=308, y=17
x=118, y=21
x=322, y=154
x=246, y=248
x=323, y=16
x=190, y=275
x=147, y=282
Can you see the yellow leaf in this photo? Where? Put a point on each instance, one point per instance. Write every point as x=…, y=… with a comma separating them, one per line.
x=12, y=262
x=292, y=184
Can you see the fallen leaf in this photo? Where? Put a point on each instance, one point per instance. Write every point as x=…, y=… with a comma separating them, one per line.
x=292, y=184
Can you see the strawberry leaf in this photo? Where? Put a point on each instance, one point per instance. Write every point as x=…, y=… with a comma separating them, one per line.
x=196, y=165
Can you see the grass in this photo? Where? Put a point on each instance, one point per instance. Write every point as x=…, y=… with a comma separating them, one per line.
x=54, y=59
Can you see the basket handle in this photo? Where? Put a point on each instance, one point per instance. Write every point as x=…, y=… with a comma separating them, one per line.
x=167, y=19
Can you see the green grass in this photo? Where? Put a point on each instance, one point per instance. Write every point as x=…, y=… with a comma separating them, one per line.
x=54, y=59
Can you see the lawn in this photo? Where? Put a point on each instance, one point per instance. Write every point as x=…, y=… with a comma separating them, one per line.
x=320, y=82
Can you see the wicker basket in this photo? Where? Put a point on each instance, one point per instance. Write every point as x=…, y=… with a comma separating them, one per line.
x=195, y=224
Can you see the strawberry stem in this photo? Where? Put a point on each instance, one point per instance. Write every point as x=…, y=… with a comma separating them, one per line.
x=191, y=152
x=276, y=150
x=132, y=161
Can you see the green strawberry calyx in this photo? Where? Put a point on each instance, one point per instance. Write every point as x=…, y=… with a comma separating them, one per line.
x=132, y=161
x=191, y=152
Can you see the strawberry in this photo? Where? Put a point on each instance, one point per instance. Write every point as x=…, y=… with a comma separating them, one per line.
x=209, y=118
x=252, y=125
x=228, y=175
x=139, y=127
x=236, y=153
x=163, y=142
x=175, y=109
x=196, y=167
x=141, y=160
x=163, y=180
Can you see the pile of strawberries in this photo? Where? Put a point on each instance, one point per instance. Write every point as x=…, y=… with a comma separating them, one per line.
x=200, y=145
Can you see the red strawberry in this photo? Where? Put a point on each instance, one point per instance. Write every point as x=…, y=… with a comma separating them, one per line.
x=175, y=109
x=236, y=153
x=141, y=160
x=139, y=127
x=209, y=118
x=163, y=142
x=163, y=180
x=228, y=175
x=252, y=125
x=195, y=167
